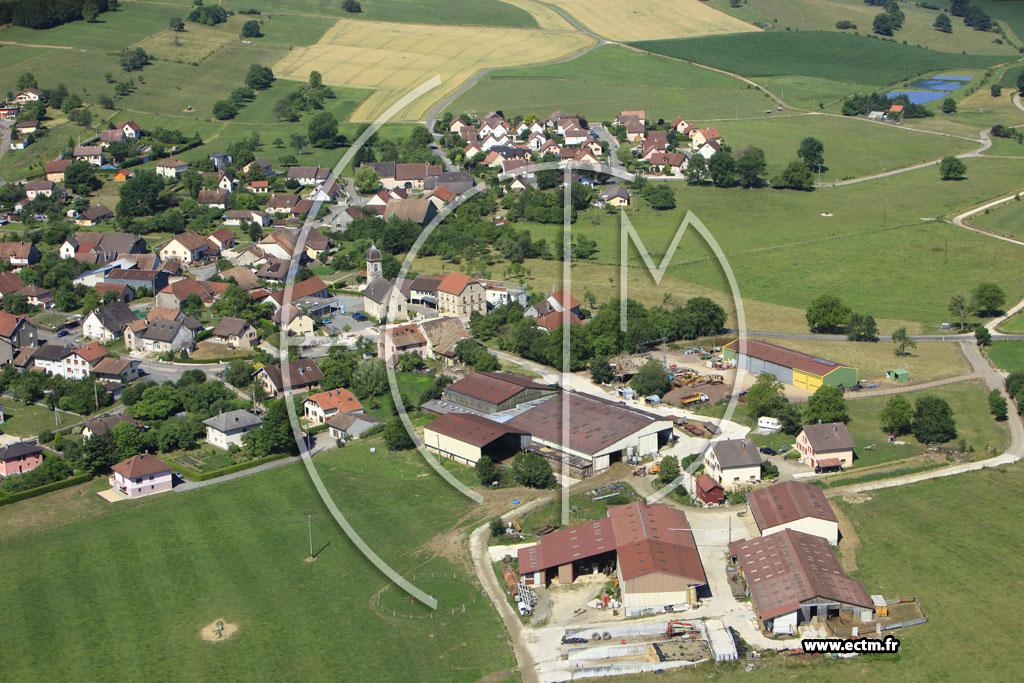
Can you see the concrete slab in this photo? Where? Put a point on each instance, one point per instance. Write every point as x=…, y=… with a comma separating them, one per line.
x=111, y=496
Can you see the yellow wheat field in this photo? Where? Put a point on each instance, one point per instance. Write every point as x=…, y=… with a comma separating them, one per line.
x=395, y=58
x=543, y=15
x=651, y=19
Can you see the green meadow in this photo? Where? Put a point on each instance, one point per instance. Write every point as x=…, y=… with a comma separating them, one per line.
x=607, y=80
x=106, y=583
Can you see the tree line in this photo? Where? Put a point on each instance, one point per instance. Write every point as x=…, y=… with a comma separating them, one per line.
x=601, y=337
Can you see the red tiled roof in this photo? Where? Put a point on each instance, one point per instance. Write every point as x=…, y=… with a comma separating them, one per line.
x=455, y=283
x=93, y=352
x=338, y=399
x=553, y=320
x=141, y=465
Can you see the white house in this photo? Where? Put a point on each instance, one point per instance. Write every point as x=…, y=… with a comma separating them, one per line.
x=227, y=429
x=141, y=475
x=733, y=463
x=171, y=167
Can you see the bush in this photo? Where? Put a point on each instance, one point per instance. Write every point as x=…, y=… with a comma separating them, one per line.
x=497, y=527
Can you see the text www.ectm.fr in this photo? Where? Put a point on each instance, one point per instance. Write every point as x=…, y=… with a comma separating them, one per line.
x=855, y=645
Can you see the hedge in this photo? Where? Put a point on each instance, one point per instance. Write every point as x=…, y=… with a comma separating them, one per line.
x=230, y=469
x=6, y=499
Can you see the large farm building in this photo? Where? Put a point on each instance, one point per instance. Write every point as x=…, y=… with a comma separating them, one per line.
x=597, y=433
x=789, y=367
x=650, y=546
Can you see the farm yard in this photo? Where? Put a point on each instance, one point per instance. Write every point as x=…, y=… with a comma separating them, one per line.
x=908, y=545
x=651, y=19
x=395, y=58
x=119, y=592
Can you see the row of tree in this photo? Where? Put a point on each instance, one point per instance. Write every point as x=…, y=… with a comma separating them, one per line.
x=601, y=337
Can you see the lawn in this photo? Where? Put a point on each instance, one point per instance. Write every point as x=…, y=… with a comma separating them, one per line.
x=974, y=424
x=822, y=54
x=25, y=421
x=929, y=361
x=396, y=58
x=607, y=80
x=810, y=15
x=235, y=552
x=410, y=384
x=1007, y=355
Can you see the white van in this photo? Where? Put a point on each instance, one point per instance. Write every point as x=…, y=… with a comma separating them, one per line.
x=769, y=423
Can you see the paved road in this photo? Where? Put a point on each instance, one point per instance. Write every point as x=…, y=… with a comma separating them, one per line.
x=190, y=485
x=959, y=220
x=985, y=143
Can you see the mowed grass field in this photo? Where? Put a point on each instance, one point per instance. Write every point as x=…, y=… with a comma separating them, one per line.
x=785, y=252
x=974, y=423
x=829, y=55
x=146, y=576
x=1007, y=355
x=609, y=79
x=651, y=19
x=854, y=147
x=396, y=58
x=929, y=361
x=461, y=12
x=809, y=15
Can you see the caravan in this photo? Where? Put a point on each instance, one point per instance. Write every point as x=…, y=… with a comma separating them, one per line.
x=771, y=423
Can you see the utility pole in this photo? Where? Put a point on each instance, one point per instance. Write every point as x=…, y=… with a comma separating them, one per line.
x=309, y=522
x=95, y=394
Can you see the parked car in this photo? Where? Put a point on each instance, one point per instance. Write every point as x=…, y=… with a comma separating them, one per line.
x=63, y=333
x=783, y=449
x=359, y=316
x=768, y=451
x=326, y=321
x=873, y=385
